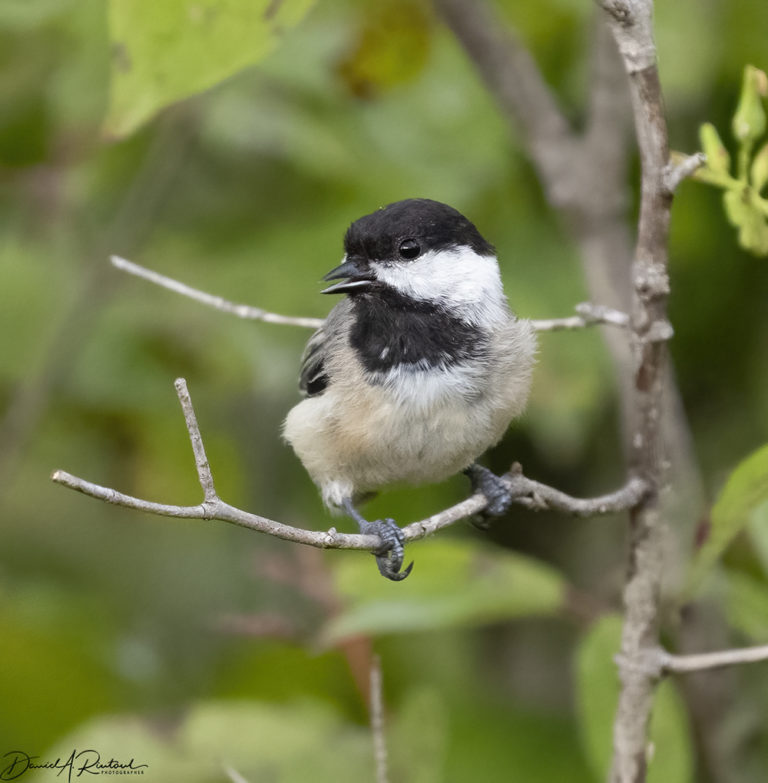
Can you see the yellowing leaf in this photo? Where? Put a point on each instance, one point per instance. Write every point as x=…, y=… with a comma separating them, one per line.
x=392, y=46
x=166, y=50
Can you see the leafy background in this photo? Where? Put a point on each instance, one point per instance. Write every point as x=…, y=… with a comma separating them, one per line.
x=190, y=645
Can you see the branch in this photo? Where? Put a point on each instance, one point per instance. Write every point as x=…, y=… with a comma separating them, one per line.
x=631, y=24
x=678, y=170
x=526, y=492
x=656, y=661
x=588, y=315
x=713, y=660
x=204, y=475
x=218, y=303
x=376, y=702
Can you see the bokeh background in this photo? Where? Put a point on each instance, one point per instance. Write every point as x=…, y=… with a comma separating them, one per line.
x=190, y=644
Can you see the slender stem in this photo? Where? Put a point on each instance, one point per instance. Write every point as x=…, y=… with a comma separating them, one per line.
x=218, y=303
x=109, y=495
x=678, y=171
x=745, y=151
x=713, y=660
x=530, y=494
x=376, y=701
x=201, y=460
x=588, y=315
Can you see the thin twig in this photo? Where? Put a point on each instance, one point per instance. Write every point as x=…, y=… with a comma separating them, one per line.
x=588, y=315
x=376, y=707
x=219, y=510
x=218, y=303
x=525, y=492
x=204, y=474
x=713, y=660
x=677, y=171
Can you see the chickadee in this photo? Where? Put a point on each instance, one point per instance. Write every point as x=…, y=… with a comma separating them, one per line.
x=416, y=372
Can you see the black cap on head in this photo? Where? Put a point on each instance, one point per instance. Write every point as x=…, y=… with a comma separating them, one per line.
x=385, y=234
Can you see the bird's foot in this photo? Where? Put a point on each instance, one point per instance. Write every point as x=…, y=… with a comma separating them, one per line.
x=496, y=492
x=389, y=557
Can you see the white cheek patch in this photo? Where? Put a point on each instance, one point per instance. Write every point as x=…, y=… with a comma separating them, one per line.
x=460, y=278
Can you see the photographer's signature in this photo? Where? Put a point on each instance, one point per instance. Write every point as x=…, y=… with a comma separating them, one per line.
x=15, y=763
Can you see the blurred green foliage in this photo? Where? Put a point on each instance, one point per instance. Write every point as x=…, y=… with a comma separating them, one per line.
x=744, y=207
x=190, y=644
x=742, y=498
x=163, y=52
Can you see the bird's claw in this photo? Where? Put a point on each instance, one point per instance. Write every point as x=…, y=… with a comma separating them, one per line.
x=389, y=556
x=493, y=488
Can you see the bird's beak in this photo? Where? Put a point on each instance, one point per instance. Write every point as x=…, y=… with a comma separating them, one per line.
x=358, y=274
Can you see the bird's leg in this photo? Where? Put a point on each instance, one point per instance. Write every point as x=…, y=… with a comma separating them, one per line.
x=492, y=487
x=389, y=557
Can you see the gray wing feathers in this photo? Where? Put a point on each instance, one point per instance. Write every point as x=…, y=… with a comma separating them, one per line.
x=314, y=378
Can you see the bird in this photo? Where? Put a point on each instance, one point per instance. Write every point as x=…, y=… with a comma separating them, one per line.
x=416, y=372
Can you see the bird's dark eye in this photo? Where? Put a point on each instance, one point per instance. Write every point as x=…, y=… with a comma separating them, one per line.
x=409, y=248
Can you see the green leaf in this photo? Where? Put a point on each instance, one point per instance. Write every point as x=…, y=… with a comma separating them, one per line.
x=745, y=599
x=749, y=119
x=454, y=584
x=597, y=685
x=745, y=490
x=759, y=171
x=709, y=177
x=758, y=533
x=753, y=232
x=736, y=206
x=166, y=50
x=743, y=211
x=718, y=159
